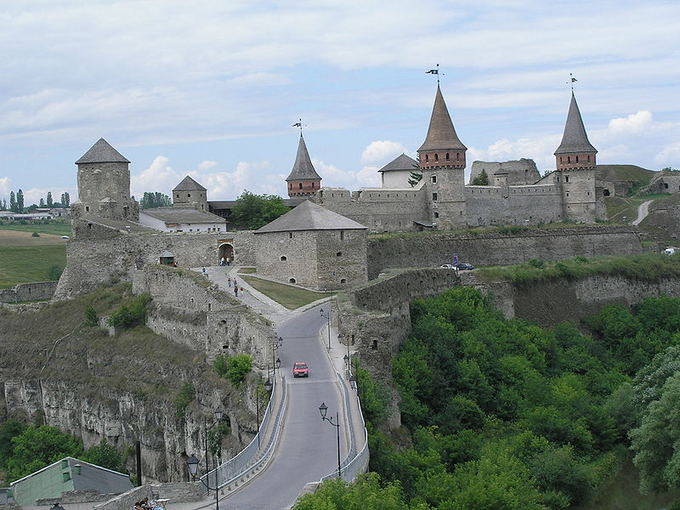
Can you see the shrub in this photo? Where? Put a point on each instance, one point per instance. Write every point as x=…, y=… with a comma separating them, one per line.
x=130, y=314
x=35, y=234
x=91, y=317
x=537, y=263
x=54, y=273
x=186, y=395
x=234, y=368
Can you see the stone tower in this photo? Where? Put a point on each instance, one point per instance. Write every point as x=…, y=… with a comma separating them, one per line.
x=189, y=193
x=303, y=180
x=104, y=185
x=442, y=161
x=575, y=160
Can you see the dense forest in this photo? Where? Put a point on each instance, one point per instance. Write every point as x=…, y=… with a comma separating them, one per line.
x=502, y=414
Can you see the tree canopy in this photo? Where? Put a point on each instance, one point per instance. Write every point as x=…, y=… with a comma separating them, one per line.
x=254, y=211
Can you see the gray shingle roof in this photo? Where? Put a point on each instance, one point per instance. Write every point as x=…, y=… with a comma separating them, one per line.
x=441, y=135
x=188, y=184
x=309, y=216
x=182, y=215
x=303, y=170
x=402, y=162
x=574, y=138
x=102, y=152
x=93, y=477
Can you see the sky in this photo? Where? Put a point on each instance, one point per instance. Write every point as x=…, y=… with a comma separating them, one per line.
x=211, y=88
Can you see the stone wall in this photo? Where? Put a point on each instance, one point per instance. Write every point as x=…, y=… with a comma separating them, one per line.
x=513, y=205
x=93, y=261
x=188, y=310
x=28, y=292
x=494, y=248
x=522, y=171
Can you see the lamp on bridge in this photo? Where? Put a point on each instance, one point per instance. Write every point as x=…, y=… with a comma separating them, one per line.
x=192, y=463
x=323, y=409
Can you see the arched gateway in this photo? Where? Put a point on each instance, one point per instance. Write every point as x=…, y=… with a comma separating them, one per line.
x=226, y=252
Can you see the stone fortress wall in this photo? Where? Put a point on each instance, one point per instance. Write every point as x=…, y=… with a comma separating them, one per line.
x=187, y=309
x=108, y=254
x=519, y=172
x=36, y=291
x=497, y=248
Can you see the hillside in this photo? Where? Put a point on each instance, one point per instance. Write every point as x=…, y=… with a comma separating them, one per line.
x=632, y=173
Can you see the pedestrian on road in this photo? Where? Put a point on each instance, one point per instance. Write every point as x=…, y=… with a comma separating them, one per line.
x=222, y=262
x=229, y=281
x=205, y=273
x=235, y=291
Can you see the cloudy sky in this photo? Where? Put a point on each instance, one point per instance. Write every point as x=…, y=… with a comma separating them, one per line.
x=210, y=88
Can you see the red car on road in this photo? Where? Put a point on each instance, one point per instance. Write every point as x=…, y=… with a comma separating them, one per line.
x=300, y=369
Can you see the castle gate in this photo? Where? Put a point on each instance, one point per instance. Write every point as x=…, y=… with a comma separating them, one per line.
x=226, y=251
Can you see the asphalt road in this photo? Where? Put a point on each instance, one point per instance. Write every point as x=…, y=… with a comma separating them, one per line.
x=307, y=448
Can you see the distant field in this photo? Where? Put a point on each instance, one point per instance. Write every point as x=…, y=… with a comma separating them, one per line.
x=24, y=258
x=59, y=228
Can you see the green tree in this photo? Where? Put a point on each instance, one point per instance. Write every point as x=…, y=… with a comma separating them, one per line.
x=65, y=199
x=253, y=211
x=12, y=202
x=9, y=430
x=42, y=202
x=151, y=200
x=20, y=201
x=37, y=447
x=105, y=455
x=481, y=180
x=91, y=317
x=50, y=202
x=656, y=442
x=186, y=395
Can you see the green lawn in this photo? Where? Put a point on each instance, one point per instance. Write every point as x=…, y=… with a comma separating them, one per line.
x=247, y=270
x=287, y=295
x=56, y=227
x=23, y=264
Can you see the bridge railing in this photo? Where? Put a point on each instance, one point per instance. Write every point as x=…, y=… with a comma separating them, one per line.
x=253, y=457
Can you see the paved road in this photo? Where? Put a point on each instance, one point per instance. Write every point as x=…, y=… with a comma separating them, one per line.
x=643, y=211
x=307, y=448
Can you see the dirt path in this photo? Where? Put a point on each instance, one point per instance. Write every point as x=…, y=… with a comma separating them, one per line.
x=643, y=211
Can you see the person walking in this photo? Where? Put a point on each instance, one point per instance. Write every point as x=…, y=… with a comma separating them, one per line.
x=235, y=290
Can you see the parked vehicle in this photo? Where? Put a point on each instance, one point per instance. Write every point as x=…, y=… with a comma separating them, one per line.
x=462, y=266
x=447, y=266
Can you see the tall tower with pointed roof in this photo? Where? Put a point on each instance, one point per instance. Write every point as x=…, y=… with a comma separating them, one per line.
x=303, y=180
x=575, y=160
x=104, y=185
x=189, y=193
x=442, y=161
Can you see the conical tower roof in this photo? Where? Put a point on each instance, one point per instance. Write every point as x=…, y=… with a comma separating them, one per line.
x=303, y=170
x=310, y=216
x=188, y=184
x=441, y=135
x=102, y=152
x=574, y=138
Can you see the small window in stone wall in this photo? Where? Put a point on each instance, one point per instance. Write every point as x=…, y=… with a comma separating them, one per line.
x=209, y=307
x=433, y=179
x=300, y=185
x=189, y=195
x=566, y=178
x=447, y=156
x=339, y=254
x=434, y=197
x=374, y=345
x=176, y=196
x=87, y=209
x=342, y=235
x=292, y=280
x=436, y=214
x=225, y=347
x=290, y=235
x=283, y=258
x=343, y=281
x=352, y=339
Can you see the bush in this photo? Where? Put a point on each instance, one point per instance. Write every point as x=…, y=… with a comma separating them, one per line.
x=35, y=234
x=186, y=395
x=54, y=273
x=130, y=314
x=91, y=317
x=105, y=455
x=537, y=263
x=234, y=368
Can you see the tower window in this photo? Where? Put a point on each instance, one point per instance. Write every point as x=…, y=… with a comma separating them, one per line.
x=433, y=179
x=177, y=196
x=427, y=157
x=434, y=197
x=568, y=159
x=436, y=214
x=283, y=258
x=300, y=185
x=291, y=280
x=189, y=195
x=577, y=159
x=343, y=280
x=342, y=235
x=436, y=157
x=312, y=185
x=447, y=156
x=339, y=254
x=566, y=178
x=588, y=158
x=560, y=159
x=457, y=156
x=290, y=235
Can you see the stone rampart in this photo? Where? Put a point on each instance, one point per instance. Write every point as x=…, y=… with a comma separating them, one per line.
x=432, y=249
x=189, y=310
x=90, y=262
x=36, y=291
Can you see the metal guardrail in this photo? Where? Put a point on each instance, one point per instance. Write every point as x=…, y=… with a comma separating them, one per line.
x=251, y=458
x=354, y=463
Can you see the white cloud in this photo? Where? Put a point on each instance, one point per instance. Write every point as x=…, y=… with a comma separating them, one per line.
x=633, y=123
x=335, y=177
x=5, y=183
x=206, y=164
x=158, y=177
x=381, y=152
x=669, y=155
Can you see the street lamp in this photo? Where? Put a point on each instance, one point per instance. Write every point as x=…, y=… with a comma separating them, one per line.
x=192, y=464
x=327, y=316
x=323, y=409
x=219, y=414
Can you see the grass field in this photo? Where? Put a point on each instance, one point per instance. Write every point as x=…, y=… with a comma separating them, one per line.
x=56, y=227
x=625, y=209
x=247, y=270
x=287, y=295
x=24, y=258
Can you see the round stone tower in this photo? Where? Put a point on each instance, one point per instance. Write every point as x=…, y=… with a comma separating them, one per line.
x=442, y=161
x=303, y=180
x=104, y=185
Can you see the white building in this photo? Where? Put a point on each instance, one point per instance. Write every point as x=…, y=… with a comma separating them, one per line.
x=181, y=219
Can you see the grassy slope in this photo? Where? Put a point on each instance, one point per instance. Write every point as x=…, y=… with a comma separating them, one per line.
x=26, y=259
x=136, y=360
x=624, y=173
x=625, y=209
x=289, y=296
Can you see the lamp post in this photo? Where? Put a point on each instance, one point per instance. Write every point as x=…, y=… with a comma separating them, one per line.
x=219, y=414
x=192, y=464
x=327, y=316
x=323, y=409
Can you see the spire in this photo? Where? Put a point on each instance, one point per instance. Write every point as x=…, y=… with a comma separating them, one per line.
x=303, y=170
x=441, y=135
x=102, y=152
x=574, y=139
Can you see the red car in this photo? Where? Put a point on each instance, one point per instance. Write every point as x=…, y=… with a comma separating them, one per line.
x=300, y=369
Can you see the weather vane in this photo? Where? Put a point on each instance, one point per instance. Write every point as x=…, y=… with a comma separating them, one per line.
x=300, y=125
x=435, y=71
x=571, y=81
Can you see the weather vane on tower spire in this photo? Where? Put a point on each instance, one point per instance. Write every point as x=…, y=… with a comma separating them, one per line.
x=434, y=71
x=571, y=81
x=300, y=125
